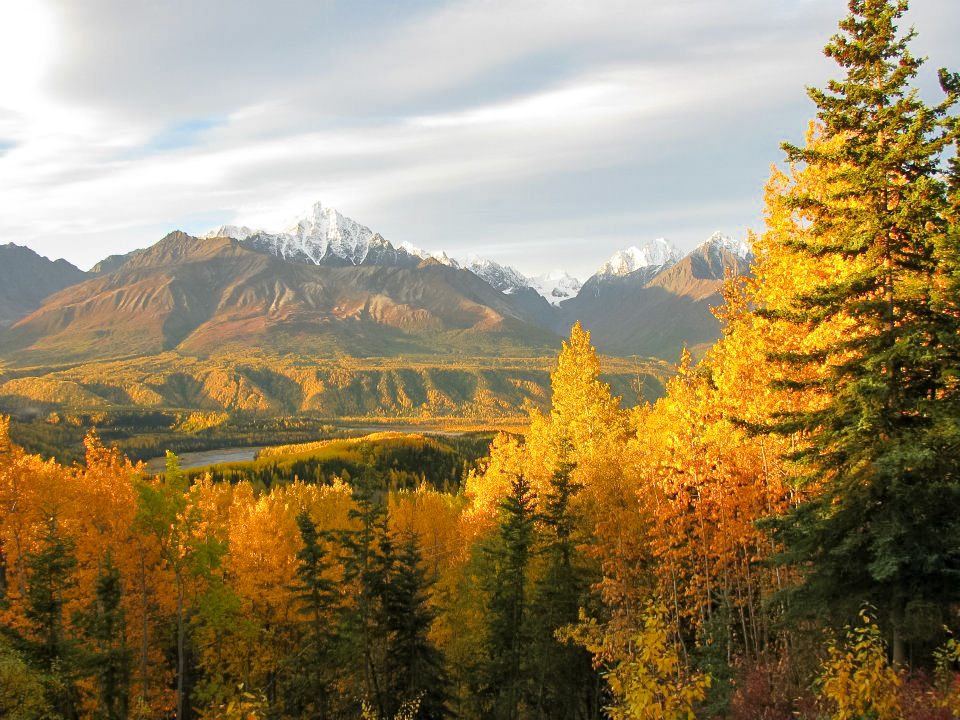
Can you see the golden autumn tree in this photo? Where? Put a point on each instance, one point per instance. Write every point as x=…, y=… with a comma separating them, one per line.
x=884, y=445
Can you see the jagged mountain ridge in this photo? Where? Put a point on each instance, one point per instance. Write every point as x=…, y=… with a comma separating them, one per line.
x=661, y=310
x=200, y=295
x=26, y=278
x=644, y=301
x=325, y=236
x=650, y=300
x=556, y=286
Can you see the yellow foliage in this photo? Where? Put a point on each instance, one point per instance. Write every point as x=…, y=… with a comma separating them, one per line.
x=198, y=421
x=647, y=676
x=408, y=711
x=948, y=681
x=434, y=519
x=857, y=678
x=487, y=489
x=244, y=705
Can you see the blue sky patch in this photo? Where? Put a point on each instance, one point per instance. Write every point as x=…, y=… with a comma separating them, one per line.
x=179, y=135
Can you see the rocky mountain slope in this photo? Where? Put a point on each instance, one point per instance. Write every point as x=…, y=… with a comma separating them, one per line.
x=26, y=278
x=658, y=309
x=279, y=323
x=263, y=381
x=202, y=295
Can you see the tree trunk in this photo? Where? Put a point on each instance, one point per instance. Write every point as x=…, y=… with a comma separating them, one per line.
x=145, y=644
x=180, y=643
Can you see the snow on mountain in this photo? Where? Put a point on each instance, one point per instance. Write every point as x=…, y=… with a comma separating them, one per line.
x=502, y=277
x=323, y=232
x=556, y=286
x=323, y=235
x=658, y=253
x=237, y=232
x=411, y=249
x=719, y=241
x=319, y=235
x=440, y=257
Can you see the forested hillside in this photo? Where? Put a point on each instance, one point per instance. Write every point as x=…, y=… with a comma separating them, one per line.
x=776, y=537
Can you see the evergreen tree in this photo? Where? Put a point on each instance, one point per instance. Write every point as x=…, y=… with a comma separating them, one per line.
x=884, y=445
x=51, y=651
x=565, y=684
x=508, y=612
x=413, y=667
x=309, y=687
x=111, y=660
x=367, y=563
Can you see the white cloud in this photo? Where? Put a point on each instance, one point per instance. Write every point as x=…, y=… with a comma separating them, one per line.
x=131, y=118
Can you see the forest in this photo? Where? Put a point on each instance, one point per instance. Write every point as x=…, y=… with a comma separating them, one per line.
x=777, y=537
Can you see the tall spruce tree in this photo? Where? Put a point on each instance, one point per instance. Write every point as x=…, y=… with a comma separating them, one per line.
x=52, y=651
x=885, y=443
x=367, y=563
x=564, y=683
x=508, y=628
x=413, y=666
x=307, y=692
x=110, y=660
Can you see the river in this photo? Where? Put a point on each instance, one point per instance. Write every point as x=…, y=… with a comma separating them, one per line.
x=205, y=457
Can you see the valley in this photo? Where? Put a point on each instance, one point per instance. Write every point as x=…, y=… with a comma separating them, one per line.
x=325, y=324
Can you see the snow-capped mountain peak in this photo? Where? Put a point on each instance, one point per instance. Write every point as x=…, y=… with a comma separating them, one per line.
x=319, y=235
x=502, y=277
x=322, y=235
x=323, y=231
x=658, y=253
x=441, y=257
x=237, y=232
x=719, y=241
x=556, y=286
x=411, y=249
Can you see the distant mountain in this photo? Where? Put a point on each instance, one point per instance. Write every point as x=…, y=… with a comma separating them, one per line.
x=328, y=284
x=111, y=263
x=656, y=310
x=657, y=254
x=26, y=278
x=640, y=265
x=502, y=277
x=649, y=300
x=556, y=286
x=323, y=237
x=283, y=323
x=205, y=295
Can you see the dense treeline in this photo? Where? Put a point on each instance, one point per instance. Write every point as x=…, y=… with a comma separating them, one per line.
x=400, y=461
x=142, y=435
x=777, y=537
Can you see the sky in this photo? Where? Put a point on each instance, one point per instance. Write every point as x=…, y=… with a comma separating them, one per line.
x=542, y=134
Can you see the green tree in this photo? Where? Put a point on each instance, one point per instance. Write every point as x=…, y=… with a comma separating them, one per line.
x=23, y=690
x=169, y=510
x=565, y=684
x=366, y=568
x=885, y=444
x=309, y=687
x=110, y=661
x=508, y=627
x=51, y=651
x=413, y=666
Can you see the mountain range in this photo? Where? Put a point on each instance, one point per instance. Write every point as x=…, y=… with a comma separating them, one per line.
x=328, y=287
